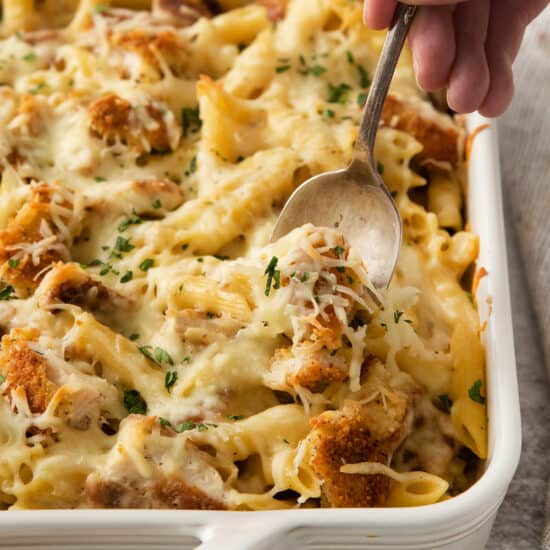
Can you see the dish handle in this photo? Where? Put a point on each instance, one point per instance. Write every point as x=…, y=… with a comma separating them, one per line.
x=240, y=536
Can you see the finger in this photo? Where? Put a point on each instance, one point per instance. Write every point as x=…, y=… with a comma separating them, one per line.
x=433, y=2
x=378, y=14
x=506, y=30
x=433, y=46
x=501, y=90
x=469, y=80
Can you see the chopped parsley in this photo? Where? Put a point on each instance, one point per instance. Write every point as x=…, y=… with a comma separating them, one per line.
x=235, y=416
x=147, y=351
x=351, y=59
x=397, y=315
x=134, y=403
x=474, y=392
x=304, y=277
x=361, y=98
x=272, y=275
x=286, y=441
x=146, y=264
x=329, y=113
x=202, y=427
x=121, y=245
x=282, y=69
x=186, y=359
x=192, y=167
x=170, y=379
x=380, y=168
x=446, y=402
x=164, y=422
x=31, y=56
x=393, y=194
x=341, y=269
x=133, y=220
x=364, y=80
x=184, y=246
x=37, y=88
x=200, y=260
x=13, y=263
x=157, y=204
x=2, y=378
x=133, y=337
x=162, y=356
x=185, y=426
x=100, y=8
x=317, y=70
x=190, y=121
x=8, y=293
x=470, y=297
x=338, y=250
x=100, y=179
x=221, y=257
x=338, y=94
x=127, y=277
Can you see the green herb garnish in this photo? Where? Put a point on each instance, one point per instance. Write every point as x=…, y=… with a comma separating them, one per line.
x=338, y=94
x=8, y=293
x=190, y=120
x=282, y=69
x=162, y=356
x=133, y=220
x=235, y=416
x=133, y=337
x=272, y=274
x=134, y=403
x=146, y=264
x=185, y=426
x=31, y=56
x=446, y=402
x=474, y=393
x=170, y=379
x=13, y=263
x=364, y=80
x=127, y=277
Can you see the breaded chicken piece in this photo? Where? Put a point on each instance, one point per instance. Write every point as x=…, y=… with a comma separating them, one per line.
x=70, y=284
x=144, y=128
x=180, y=13
x=19, y=242
x=441, y=137
x=24, y=368
x=178, y=476
x=368, y=428
x=154, y=48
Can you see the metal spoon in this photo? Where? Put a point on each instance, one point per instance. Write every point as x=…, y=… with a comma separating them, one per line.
x=355, y=200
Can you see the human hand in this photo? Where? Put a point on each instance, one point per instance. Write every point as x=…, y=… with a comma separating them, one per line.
x=466, y=45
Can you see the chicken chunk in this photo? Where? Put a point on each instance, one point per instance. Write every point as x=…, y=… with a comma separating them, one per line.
x=185, y=481
x=32, y=241
x=153, y=50
x=441, y=138
x=69, y=284
x=180, y=13
x=368, y=428
x=24, y=368
x=143, y=127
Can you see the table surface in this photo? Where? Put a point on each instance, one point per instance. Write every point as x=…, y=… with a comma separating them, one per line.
x=525, y=165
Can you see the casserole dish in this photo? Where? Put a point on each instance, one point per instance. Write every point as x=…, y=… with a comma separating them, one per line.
x=464, y=521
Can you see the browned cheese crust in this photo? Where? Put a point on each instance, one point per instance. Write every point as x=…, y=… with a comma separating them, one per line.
x=435, y=131
x=26, y=369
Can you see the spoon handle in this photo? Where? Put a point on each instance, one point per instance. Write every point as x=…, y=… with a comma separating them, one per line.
x=389, y=57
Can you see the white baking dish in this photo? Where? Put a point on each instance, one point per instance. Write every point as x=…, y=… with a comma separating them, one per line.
x=459, y=523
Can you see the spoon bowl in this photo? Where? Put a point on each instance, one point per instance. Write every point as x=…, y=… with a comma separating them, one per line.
x=355, y=200
x=362, y=211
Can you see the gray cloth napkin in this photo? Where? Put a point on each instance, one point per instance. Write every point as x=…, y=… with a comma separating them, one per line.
x=525, y=140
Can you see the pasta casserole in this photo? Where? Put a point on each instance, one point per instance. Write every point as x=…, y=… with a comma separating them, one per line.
x=157, y=351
